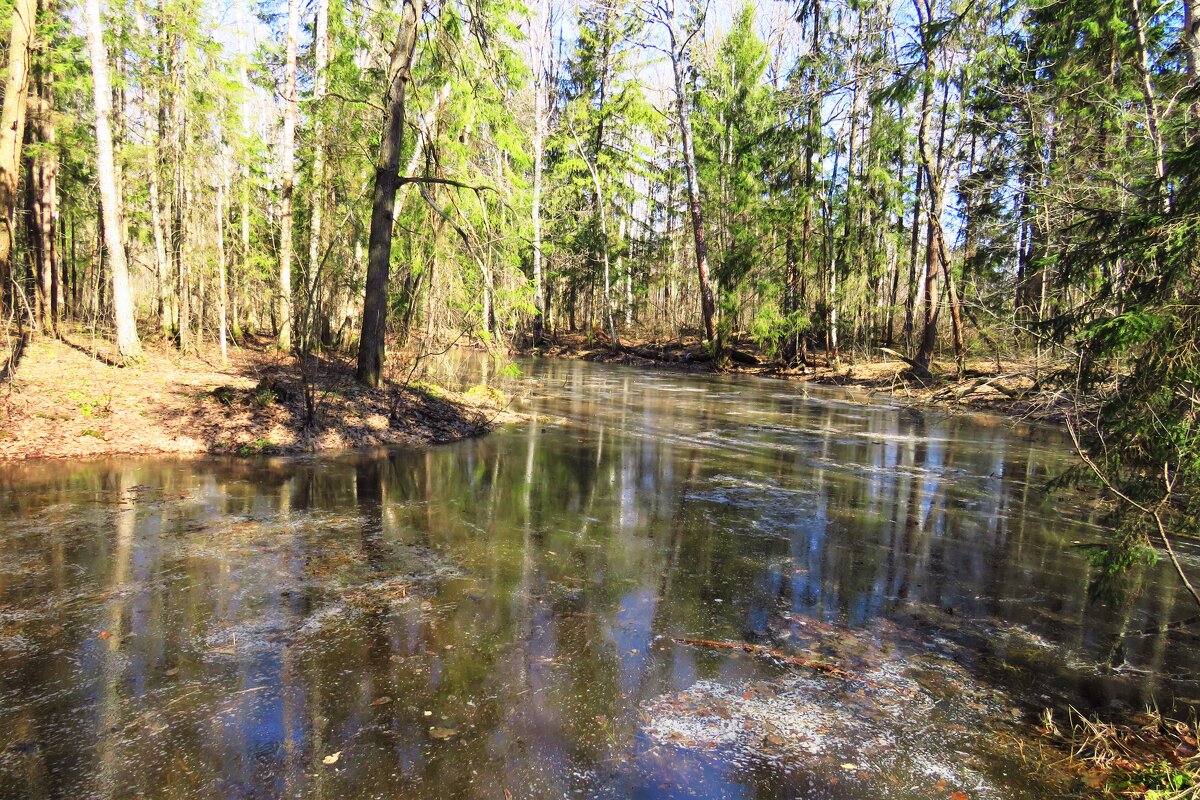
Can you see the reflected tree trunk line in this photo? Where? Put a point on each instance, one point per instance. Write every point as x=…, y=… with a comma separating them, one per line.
x=111, y=662
x=996, y=519
x=524, y=596
x=914, y=525
x=1115, y=656
x=901, y=509
x=369, y=494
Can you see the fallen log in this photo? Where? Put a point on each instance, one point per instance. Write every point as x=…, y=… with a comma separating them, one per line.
x=651, y=353
x=960, y=390
x=768, y=652
x=919, y=372
x=742, y=357
x=661, y=353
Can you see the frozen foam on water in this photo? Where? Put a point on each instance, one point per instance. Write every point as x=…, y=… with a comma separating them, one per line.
x=886, y=731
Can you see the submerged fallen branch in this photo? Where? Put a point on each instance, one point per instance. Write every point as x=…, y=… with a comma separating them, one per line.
x=769, y=652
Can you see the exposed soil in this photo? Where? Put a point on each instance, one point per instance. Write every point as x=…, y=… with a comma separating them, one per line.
x=68, y=398
x=1002, y=386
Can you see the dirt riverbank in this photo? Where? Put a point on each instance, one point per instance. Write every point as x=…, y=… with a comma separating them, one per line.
x=67, y=397
x=1003, y=386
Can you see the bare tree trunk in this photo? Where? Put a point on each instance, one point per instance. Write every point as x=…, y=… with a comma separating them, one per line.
x=95, y=277
x=540, y=41
x=128, y=345
x=319, y=191
x=73, y=288
x=183, y=290
x=1152, y=113
x=287, y=149
x=12, y=134
x=812, y=134
x=196, y=234
x=932, y=303
x=622, y=270
x=245, y=249
x=160, y=251
x=832, y=348
x=178, y=195
x=925, y=151
x=679, y=64
x=619, y=271
x=1190, y=35
x=601, y=209
x=956, y=327
x=157, y=118
x=222, y=285
x=31, y=212
x=894, y=260
x=916, y=284
x=244, y=194
x=42, y=186
x=937, y=202
x=372, y=340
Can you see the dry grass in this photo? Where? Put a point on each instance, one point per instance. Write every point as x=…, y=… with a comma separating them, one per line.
x=1147, y=755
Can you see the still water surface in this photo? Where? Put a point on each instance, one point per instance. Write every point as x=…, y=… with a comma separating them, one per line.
x=500, y=617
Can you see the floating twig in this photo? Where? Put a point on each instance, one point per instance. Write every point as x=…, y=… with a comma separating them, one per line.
x=769, y=652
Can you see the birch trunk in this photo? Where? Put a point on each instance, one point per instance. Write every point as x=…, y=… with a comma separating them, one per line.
x=1152, y=112
x=128, y=345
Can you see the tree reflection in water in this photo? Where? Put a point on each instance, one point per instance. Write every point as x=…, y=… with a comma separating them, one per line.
x=177, y=628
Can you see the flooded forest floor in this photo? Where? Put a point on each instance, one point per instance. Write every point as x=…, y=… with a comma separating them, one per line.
x=69, y=397
x=1000, y=385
